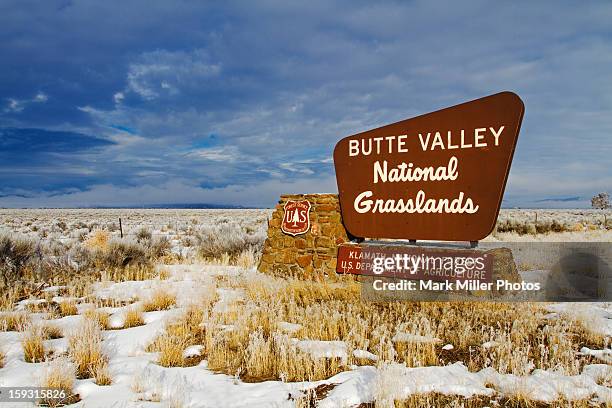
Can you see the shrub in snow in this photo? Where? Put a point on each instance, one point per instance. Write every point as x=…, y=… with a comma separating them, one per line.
x=98, y=317
x=120, y=254
x=14, y=321
x=171, y=351
x=97, y=240
x=227, y=238
x=67, y=308
x=159, y=247
x=161, y=299
x=51, y=331
x=15, y=254
x=59, y=374
x=143, y=235
x=179, y=334
x=33, y=345
x=133, y=317
x=85, y=348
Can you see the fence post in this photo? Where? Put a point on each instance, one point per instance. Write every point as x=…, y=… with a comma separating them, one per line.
x=120, y=227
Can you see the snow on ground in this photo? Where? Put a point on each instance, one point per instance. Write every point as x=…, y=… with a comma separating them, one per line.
x=597, y=317
x=603, y=355
x=396, y=381
x=547, y=386
x=355, y=387
x=139, y=382
x=323, y=349
x=290, y=328
x=139, y=379
x=193, y=351
x=365, y=354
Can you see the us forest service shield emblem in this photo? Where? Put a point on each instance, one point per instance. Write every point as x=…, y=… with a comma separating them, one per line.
x=296, y=219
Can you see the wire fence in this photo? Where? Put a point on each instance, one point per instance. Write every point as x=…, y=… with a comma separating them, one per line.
x=180, y=225
x=132, y=228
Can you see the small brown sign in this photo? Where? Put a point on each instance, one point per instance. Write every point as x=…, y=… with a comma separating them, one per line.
x=439, y=176
x=415, y=262
x=296, y=217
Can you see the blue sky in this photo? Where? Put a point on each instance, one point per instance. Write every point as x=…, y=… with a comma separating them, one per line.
x=145, y=102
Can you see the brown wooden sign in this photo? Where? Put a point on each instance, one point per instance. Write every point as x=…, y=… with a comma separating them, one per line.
x=416, y=262
x=439, y=176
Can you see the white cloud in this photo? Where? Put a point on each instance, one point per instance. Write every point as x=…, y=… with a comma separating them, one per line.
x=14, y=105
x=220, y=154
x=125, y=139
x=40, y=97
x=296, y=168
x=118, y=97
x=161, y=72
x=18, y=105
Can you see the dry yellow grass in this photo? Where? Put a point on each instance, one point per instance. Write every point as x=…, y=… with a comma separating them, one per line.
x=240, y=339
x=68, y=308
x=247, y=259
x=98, y=316
x=33, y=344
x=8, y=297
x=416, y=354
x=38, y=307
x=51, y=331
x=577, y=227
x=2, y=358
x=80, y=285
x=129, y=273
x=433, y=400
x=133, y=317
x=164, y=274
x=59, y=374
x=161, y=299
x=112, y=302
x=85, y=349
x=242, y=336
x=98, y=240
x=170, y=351
x=14, y=321
x=100, y=372
x=185, y=331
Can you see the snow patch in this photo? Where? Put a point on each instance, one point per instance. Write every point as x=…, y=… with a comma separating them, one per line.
x=603, y=355
x=547, y=386
x=116, y=320
x=596, y=317
x=323, y=349
x=289, y=328
x=193, y=351
x=365, y=355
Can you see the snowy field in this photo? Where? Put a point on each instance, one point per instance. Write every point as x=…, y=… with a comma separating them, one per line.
x=193, y=324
